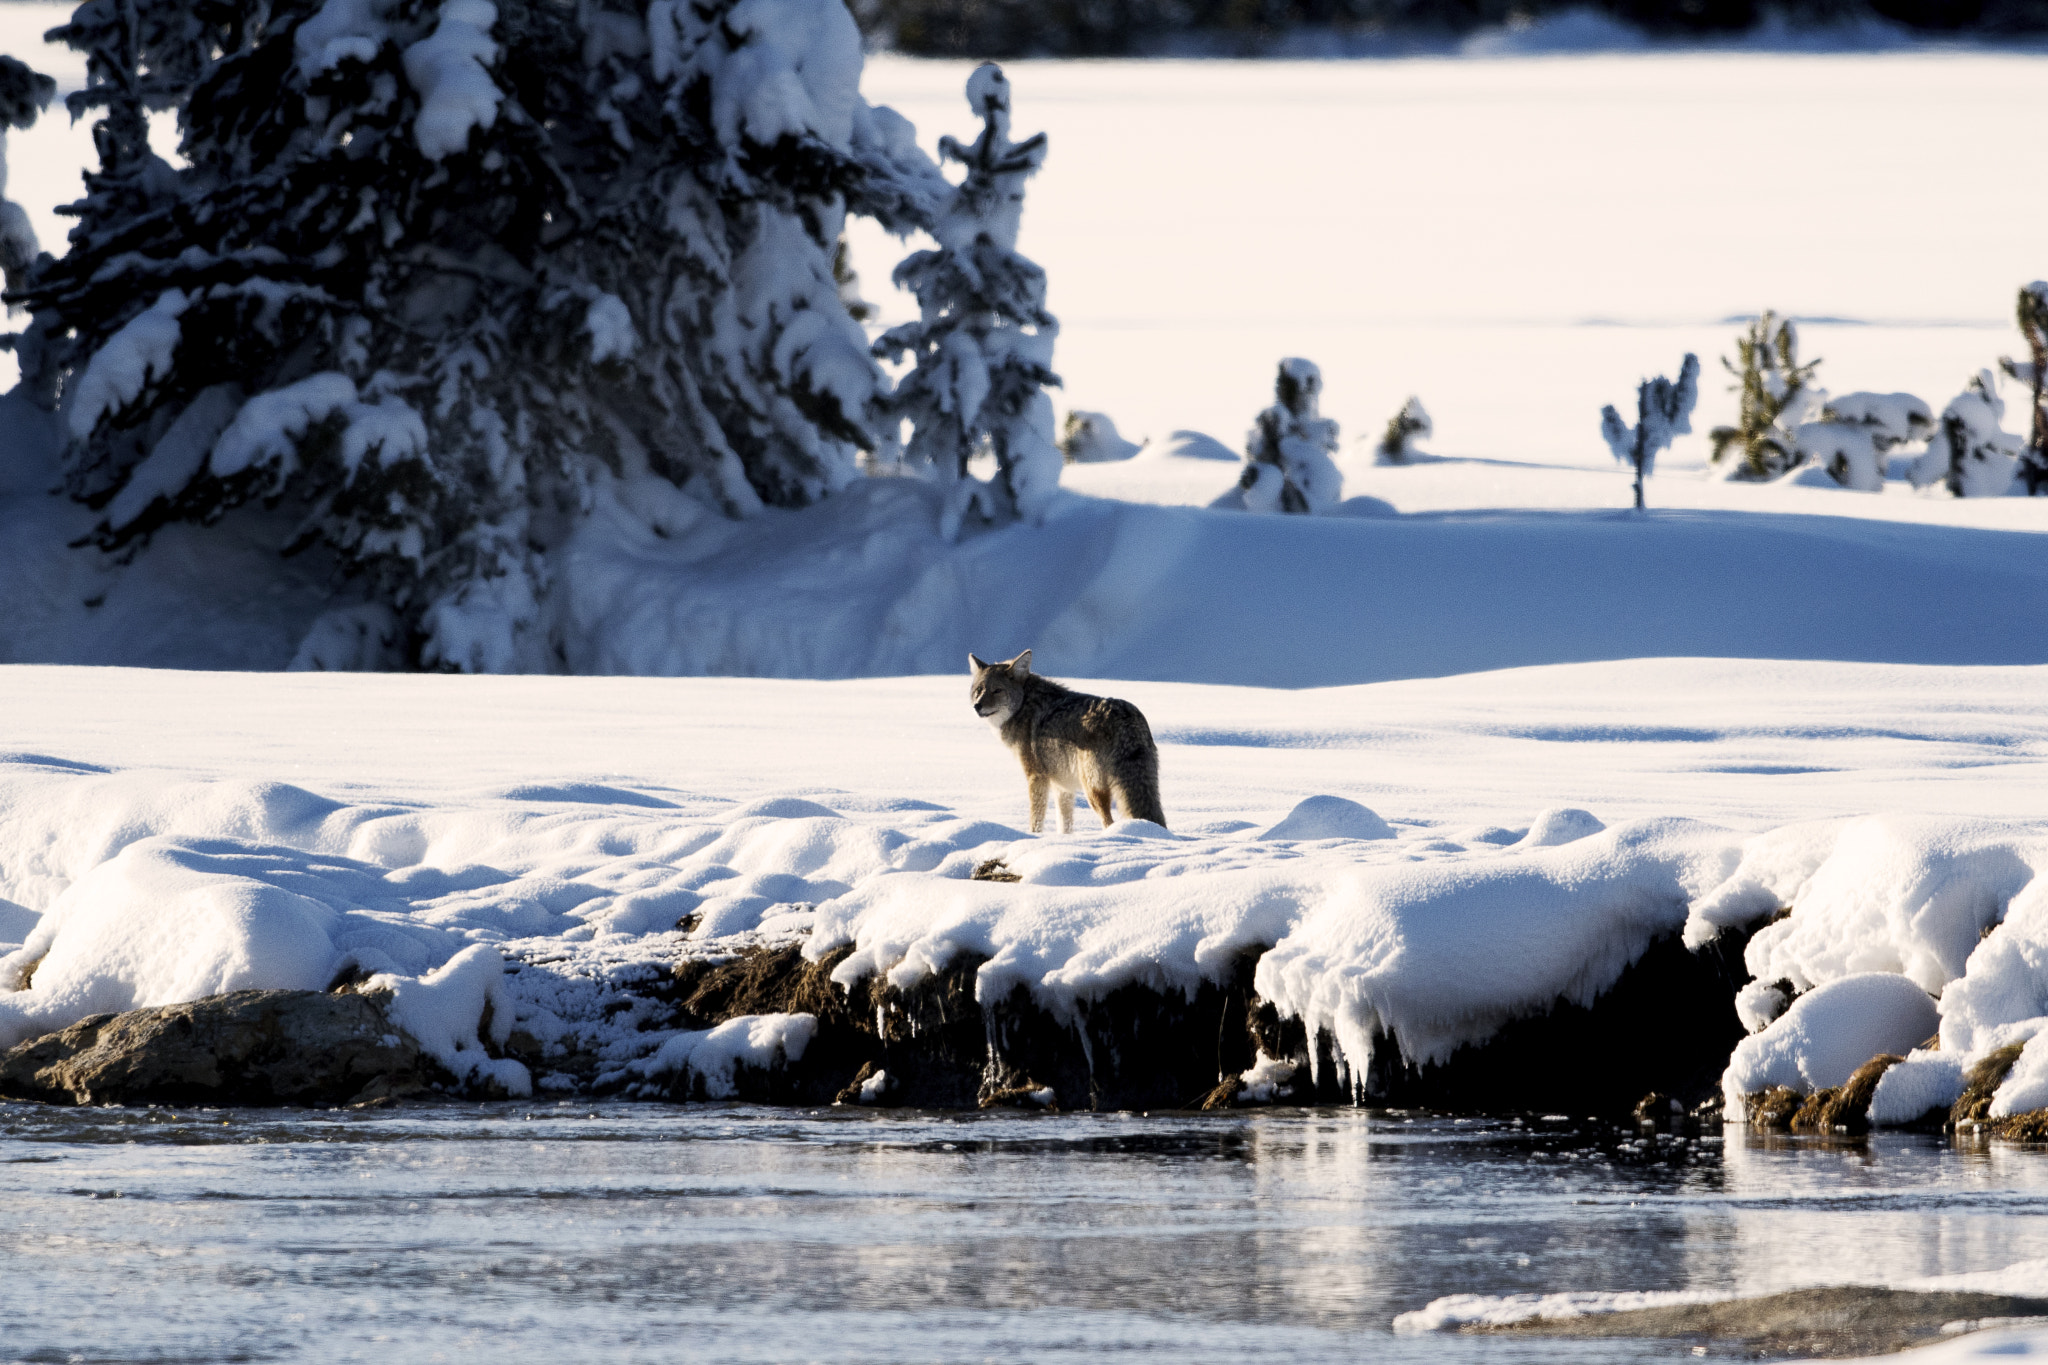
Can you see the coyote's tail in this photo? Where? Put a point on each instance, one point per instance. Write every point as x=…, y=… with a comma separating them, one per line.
x=1138, y=779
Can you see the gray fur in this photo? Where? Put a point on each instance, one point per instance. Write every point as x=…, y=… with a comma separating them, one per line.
x=1070, y=742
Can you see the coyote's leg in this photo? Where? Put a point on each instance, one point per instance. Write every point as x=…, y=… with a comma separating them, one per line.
x=1098, y=797
x=1038, y=785
x=1066, y=811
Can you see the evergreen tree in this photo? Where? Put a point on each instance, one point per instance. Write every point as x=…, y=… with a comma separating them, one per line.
x=1970, y=454
x=1287, y=464
x=1663, y=412
x=24, y=94
x=1404, y=429
x=2033, y=372
x=981, y=348
x=437, y=270
x=1777, y=394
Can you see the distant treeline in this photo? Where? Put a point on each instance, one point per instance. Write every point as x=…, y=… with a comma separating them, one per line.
x=1007, y=28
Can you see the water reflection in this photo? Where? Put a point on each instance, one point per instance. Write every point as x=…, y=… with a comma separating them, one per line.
x=745, y=1234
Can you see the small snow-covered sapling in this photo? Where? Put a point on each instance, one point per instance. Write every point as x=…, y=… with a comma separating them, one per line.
x=1857, y=432
x=1404, y=429
x=2033, y=372
x=1287, y=464
x=1092, y=438
x=1970, y=453
x=1663, y=411
x=1777, y=395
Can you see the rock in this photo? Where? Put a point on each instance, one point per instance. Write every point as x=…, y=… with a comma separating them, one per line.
x=245, y=1048
x=1844, y=1108
x=1849, y=1320
x=1773, y=1110
x=1973, y=1110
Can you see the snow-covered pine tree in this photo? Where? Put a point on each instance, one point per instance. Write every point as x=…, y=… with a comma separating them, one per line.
x=2033, y=372
x=1970, y=453
x=1777, y=394
x=439, y=273
x=1404, y=429
x=1663, y=411
x=24, y=94
x=1856, y=434
x=1287, y=464
x=981, y=349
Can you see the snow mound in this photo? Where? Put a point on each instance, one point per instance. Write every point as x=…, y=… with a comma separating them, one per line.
x=1909, y=1089
x=1191, y=445
x=1330, y=817
x=1562, y=825
x=714, y=1055
x=1503, y=1310
x=445, y=1008
x=1828, y=1033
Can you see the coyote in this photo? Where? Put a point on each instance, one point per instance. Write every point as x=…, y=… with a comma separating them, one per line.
x=1099, y=746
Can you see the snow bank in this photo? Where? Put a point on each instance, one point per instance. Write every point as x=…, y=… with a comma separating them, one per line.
x=1420, y=932
x=1437, y=957
x=713, y=1055
x=1503, y=1310
x=1894, y=893
x=445, y=1008
x=1828, y=1033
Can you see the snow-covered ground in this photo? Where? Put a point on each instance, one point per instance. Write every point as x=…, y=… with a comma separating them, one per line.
x=1484, y=232
x=164, y=836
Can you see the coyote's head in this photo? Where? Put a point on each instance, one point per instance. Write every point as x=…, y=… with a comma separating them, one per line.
x=997, y=690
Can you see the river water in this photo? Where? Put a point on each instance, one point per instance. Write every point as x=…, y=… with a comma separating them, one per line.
x=549, y=1232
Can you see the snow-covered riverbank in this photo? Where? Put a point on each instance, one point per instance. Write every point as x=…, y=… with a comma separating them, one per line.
x=1543, y=827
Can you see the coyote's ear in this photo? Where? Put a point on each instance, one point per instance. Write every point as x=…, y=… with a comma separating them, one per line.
x=1021, y=665
x=975, y=665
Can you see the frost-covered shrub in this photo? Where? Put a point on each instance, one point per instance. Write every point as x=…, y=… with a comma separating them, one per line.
x=439, y=269
x=1287, y=464
x=2033, y=372
x=23, y=95
x=1970, y=453
x=1663, y=412
x=1404, y=429
x=1858, y=432
x=1092, y=438
x=981, y=348
x=1777, y=394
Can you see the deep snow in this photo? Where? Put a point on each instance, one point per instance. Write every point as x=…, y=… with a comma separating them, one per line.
x=1469, y=246
x=164, y=836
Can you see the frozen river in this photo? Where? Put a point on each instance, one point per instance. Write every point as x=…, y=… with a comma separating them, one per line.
x=550, y=1232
